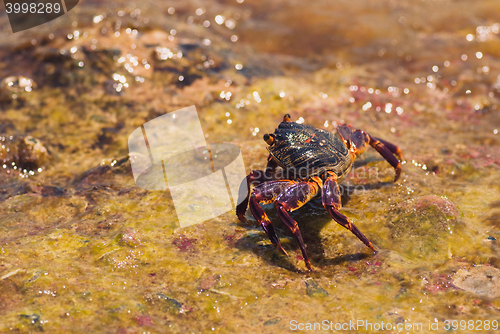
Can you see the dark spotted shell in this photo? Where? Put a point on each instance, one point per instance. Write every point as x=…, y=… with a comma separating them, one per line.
x=310, y=151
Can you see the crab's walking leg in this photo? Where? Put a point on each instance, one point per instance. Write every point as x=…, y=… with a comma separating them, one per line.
x=330, y=196
x=255, y=177
x=393, y=148
x=267, y=193
x=388, y=151
x=291, y=199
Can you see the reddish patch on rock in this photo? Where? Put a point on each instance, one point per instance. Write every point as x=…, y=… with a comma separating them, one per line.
x=231, y=239
x=438, y=283
x=184, y=244
x=144, y=320
x=444, y=205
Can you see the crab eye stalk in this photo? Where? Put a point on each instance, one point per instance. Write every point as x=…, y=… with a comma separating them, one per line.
x=287, y=118
x=269, y=139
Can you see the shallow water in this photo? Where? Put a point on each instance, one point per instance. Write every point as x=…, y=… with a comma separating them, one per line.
x=82, y=248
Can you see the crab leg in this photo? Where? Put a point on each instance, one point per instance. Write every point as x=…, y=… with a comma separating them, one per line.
x=330, y=197
x=267, y=193
x=388, y=151
x=393, y=148
x=291, y=199
x=254, y=178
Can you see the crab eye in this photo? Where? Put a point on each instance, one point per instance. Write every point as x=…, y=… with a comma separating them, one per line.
x=269, y=139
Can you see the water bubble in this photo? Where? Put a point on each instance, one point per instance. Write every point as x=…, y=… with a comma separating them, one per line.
x=230, y=24
x=219, y=19
x=388, y=108
x=98, y=18
x=366, y=106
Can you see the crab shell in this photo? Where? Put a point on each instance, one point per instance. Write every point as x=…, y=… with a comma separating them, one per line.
x=309, y=151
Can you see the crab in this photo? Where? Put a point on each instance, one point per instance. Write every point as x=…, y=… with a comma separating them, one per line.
x=313, y=162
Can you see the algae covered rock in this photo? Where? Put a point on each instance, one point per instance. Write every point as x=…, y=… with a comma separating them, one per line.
x=480, y=280
x=23, y=152
x=130, y=237
x=11, y=87
x=313, y=289
x=423, y=226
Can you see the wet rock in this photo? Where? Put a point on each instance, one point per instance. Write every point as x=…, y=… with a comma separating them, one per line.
x=209, y=282
x=422, y=226
x=170, y=304
x=103, y=174
x=480, y=280
x=442, y=206
x=184, y=243
x=11, y=87
x=494, y=219
x=48, y=191
x=22, y=152
x=130, y=237
x=313, y=289
x=59, y=67
x=272, y=321
x=402, y=293
x=33, y=320
x=96, y=226
x=12, y=187
x=144, y=320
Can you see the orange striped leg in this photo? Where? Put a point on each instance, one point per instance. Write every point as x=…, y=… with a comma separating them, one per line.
x=267, y=193
x=393, y=148
x=388, y=151
x=291, y=199
x=330, y=197
x=254, y=178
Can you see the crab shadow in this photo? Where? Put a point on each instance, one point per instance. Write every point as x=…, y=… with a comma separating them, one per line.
x=311, y=218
